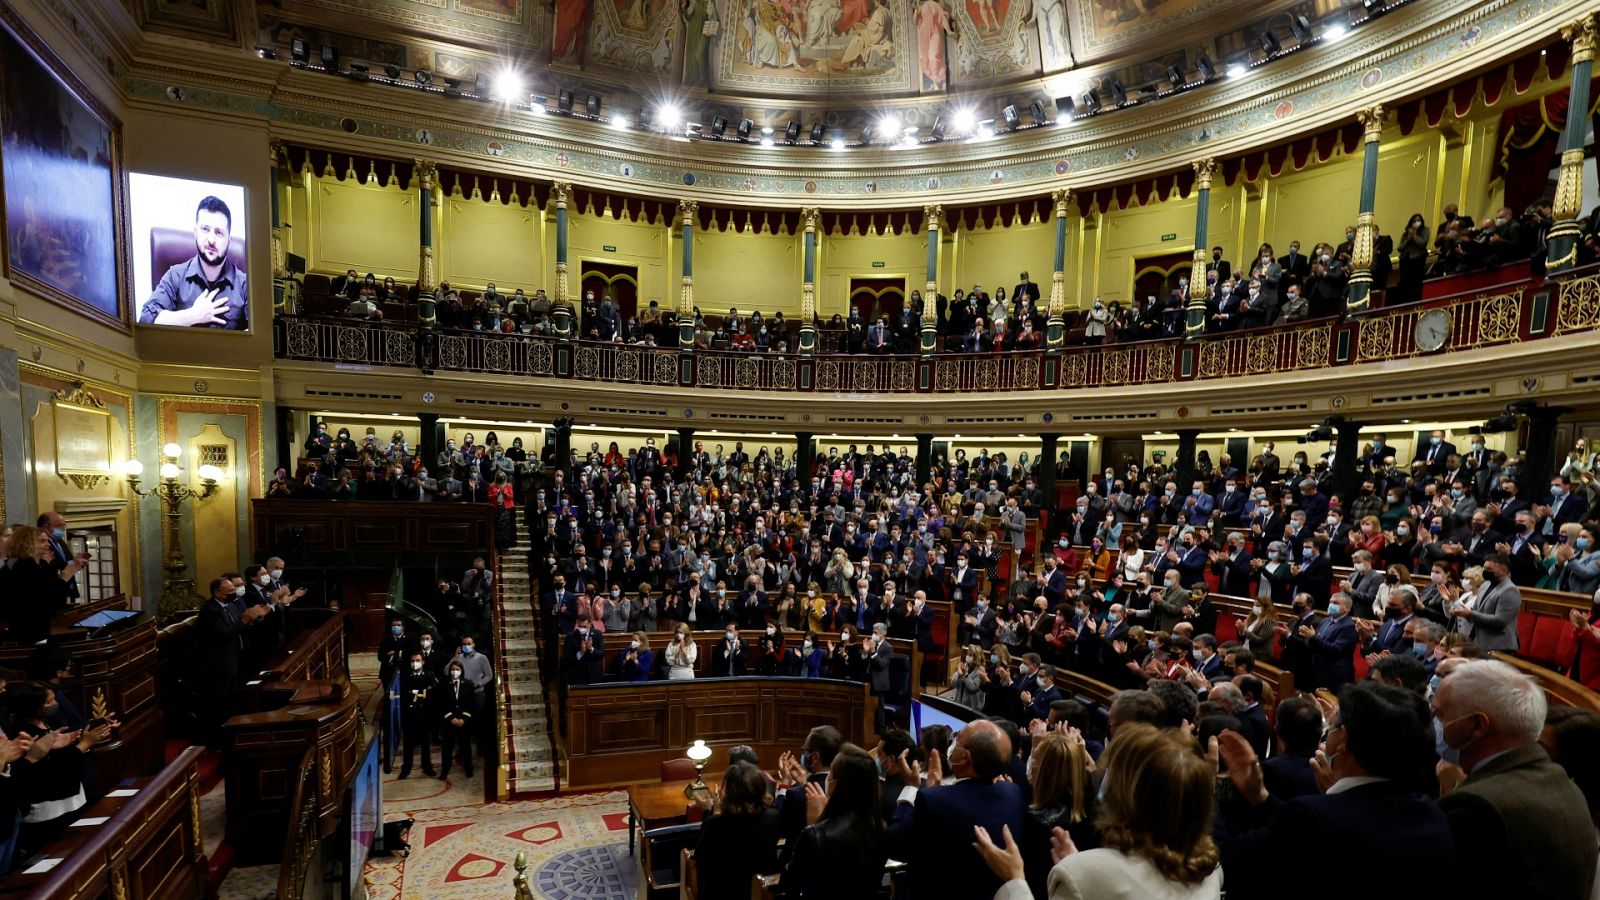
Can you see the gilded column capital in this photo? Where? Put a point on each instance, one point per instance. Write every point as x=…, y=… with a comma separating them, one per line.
x=1580, y=33
x=1371, y=119
x=934, y=213
x=427, y=173
x=563, y=193
x=1063, y=200
x=687, y=210
x=1203, y=170
x=275, y=152
x=811, y=218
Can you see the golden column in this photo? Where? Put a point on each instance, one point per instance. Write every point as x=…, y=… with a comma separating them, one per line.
x=1195, y=313
x=280, y=264
x=929, y=337
x=808, y=285
x=1562, y=254
x=561, y=305
x=686, y=213
x=1056, y=325
x=427, y=279
x=1358, y=292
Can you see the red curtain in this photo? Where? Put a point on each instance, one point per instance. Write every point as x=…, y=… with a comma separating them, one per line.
x=1529, y=135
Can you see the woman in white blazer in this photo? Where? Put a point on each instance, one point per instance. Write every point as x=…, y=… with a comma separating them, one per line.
x=1155, y=824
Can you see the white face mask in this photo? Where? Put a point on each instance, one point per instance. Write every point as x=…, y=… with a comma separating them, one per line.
x=264, y=580
x=416, y=667
x=427, y=644
x=239, y=591
x=633, y=645
x=277, y=574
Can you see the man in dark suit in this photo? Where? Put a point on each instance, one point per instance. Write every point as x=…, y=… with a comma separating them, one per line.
x=1435, y=452
x=934, y=833
x=1521, y=826
x=1313, y=574
x=222, y=628
x=1367, y=810
x=810, y=766
x=55, y=529
x=1036, y=703
x=728, y=657
x=1222, y=267
x=879, y=654
x=581, y=656
x=1565, y=506
x=1025, y=288
x=1253, y=722
x=1298, y=727
x=1390, y=636
x=417, y=684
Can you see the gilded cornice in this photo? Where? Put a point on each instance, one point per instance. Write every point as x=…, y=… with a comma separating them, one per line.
x=1408, y=51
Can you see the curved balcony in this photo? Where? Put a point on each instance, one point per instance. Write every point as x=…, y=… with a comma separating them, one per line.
x=1533, y=311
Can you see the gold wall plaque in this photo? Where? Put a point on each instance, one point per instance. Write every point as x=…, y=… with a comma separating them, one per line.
x=82, y=426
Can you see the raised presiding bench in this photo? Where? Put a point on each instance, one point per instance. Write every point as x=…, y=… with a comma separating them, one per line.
x=620, y=733
x=396, y=526
x=141, y=841
x=315, y=650
x=263, y=751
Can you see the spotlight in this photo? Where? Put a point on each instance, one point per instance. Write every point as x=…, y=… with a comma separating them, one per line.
x=719, y=127
x=266, y=53
x=536, y=104
x=766, y=129
x=1333, y=33
x=743, y=131
x=591, y=104
x=480, y=85
x=791, y=132
x=816, y=132
x=1205, y=67
x=965, y=120
x=766, y=140
x=299, y=50
x=422, y=77
x=1301, y=26
x=837, y=143
x=392, y=71
x=1119, y=94
x=564, y=101
x=1236, y=70
x=452, y=87
x=889, y=127
x=507, y=85
x=1065, y=109
x=1373, y=7
x=358, y=71
x=668, y=117
x=619, y=121
x=1037, y=108
x=1011, y=117
x=984, y=131
x=937, y=132
x=1269, y=44
x=330, y=57
x=1090, y=101
x=1175, y=77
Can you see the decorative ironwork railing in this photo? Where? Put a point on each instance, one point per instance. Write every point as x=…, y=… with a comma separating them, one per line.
x=1529, y=312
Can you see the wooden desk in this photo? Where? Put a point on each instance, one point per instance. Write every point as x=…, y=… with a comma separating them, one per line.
x=664, y=803
x=148, y=847
x=619, y=734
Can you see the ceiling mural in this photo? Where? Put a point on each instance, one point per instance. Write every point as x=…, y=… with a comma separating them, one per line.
x=634, y=35
x=816, y=46
x=1101, y=29
x=494, y=25
x=993, y=39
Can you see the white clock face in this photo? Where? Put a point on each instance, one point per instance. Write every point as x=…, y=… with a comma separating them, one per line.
x=1433, y=329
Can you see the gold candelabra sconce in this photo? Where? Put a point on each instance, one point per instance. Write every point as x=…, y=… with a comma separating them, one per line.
x=179, y=589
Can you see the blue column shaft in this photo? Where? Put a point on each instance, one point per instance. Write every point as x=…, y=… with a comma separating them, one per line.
x=561, y=234
x=427, y=217
x=1369, y=177
x=688, y=251
x=1061, y=244
x=1577, y=107
x=811, y=258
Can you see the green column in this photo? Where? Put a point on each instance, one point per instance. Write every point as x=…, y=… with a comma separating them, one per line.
x=1358, y=292
x=930, y=294
x=1562, y=254
x=1055, y=334
x=808, y=284
x=686, y=214
x=427, y=175
x=561, y=304
x=280, y=268
x=1194, y=324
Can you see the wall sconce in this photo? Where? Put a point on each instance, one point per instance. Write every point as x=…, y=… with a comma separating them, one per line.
x=699, y=753
x=179, y=593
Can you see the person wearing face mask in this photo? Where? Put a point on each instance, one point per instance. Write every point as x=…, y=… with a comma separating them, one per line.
x=1363, y=584
x=474, y=665
x=453, y=713
x=1365, y=807
x=1330, y=645
x=392, y=651
x=728, y=656
x=417, y=685
x=1491, y=620
x=1504, y=798
x=582, y=653
x=637, y=660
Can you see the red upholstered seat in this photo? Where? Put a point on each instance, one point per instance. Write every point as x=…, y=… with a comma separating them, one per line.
x=680, y=769
x=1525, y=631
x=1545, y=644
x=1227, y=628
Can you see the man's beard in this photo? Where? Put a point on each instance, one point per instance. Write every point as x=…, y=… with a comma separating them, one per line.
x=210, y=260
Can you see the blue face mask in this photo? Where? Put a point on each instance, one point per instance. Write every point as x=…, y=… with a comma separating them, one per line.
x=396, y=630
x=1447, y=753
x=466, y=650
x=1335, y=610
x=1581, y=543
x=994, y=659
x=1307, y=553
x=60, y=533
x=1420, y=651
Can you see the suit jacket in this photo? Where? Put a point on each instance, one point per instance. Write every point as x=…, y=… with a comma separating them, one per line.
x=1382, y=823
x=934, y=835
x=1332, y=665
x=1434, y=455
x=1522, y=829
x=727, y=662
x=1253, y=726
x=1492, y=623
x=878, y=668
x=453, y=701
x=224, y=638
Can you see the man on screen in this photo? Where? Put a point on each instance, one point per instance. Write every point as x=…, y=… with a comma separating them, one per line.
x=207, y=290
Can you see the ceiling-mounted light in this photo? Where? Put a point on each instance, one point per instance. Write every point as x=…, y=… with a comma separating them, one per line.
x=668, y=118
x=1236, y=70
x=507, y=85
x=719, y=127
x=744, y=129
x=791, y=132
x=837, y=143
x=1301, y=27
x=937, y=131
x=888, y=127
x=591, y=104
x=1334, y=33
x=1269, y=44
x=1090, y=101
x=1065, y=109
x=1205, y=67
x=391, y=71
x=766, y=140
x=330, y=57
x=817, y=131
x=299, y=50
x=359, y=71
x=1175, y=77
x=1037, y=108
x=1011, y=117
x=422, y=77
x=564, y=101
x=964, y=120
x=1119, y=94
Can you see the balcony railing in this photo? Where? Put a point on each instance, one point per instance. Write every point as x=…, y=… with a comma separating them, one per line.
x=1533, y=311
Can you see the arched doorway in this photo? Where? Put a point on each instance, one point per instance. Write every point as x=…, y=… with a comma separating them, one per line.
x=875, y=297
x=1157, y=276
x=622, y=282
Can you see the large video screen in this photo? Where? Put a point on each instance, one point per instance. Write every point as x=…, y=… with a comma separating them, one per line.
x=365, y=815
x=189, y=253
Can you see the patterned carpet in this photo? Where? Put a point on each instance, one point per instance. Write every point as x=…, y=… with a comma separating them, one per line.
x=576, y=845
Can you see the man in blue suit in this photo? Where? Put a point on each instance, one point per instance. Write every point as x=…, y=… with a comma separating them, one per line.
x=934, y=833
x=1330, y=645
x=1390, y=636
x=1366, y=810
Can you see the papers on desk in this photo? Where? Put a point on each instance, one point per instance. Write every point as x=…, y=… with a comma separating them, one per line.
x=90, y=820
x=41, y=867
x=252, y=683
x=123, y=792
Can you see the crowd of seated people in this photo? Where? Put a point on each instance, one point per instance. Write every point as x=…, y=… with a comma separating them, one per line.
x=1419, y=762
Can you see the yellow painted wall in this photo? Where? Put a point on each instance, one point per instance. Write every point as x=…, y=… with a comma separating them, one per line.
x=995, y=257
x=485, y=240
x=841, y=258
x=1129, y=234
x=369, y=228
x=638, y=244
x=746, y=270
